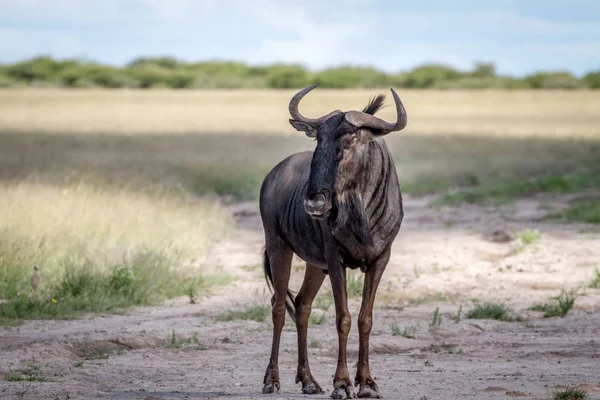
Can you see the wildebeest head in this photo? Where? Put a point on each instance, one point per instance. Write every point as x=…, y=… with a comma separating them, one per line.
x=342, y=142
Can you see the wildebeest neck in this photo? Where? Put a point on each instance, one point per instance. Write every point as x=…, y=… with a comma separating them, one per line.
x=357, y=180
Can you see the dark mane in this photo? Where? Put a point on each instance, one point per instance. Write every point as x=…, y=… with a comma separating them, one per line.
x=375, y=104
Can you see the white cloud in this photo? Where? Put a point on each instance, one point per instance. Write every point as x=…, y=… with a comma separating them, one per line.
x=304, y=41
x=178, y=9
x=478, y=23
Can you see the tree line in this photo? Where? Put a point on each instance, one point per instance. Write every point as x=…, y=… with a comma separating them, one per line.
x=166, y=72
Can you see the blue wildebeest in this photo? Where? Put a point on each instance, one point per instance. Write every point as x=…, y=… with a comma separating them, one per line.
x=337, y=207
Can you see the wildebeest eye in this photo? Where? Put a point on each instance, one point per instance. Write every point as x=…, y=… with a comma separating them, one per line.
x=350, y=141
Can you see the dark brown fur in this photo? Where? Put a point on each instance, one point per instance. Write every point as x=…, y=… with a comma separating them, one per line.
x=353, y=171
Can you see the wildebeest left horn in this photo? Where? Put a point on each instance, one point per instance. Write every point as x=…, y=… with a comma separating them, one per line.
x=361, y=119
x=314, y=122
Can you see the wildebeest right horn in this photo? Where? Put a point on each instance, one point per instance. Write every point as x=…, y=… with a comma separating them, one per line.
x=314, y=122
x=361, y=119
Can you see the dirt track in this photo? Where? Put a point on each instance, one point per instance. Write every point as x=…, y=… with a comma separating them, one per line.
x=443, y=258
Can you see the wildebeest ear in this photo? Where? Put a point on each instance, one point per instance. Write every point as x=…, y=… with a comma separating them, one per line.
x=304, y=127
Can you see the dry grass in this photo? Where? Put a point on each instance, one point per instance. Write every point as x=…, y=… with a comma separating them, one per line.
x=514, y=113
x=60, y=221
x=99, y=249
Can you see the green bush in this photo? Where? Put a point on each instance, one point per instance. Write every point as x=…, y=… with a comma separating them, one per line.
x=352, y=77
x=427, y=76
x=95, y=75
x=287, y=76
x=149, y=76
x=180, y=80
x=6, y=82
x=592, y=80
x=43, y=69
x=553, y=80
x=484, y=70
x=160, y=62
x=168, y=72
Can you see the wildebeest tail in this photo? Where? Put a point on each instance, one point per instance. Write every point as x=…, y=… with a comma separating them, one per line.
x=290, y=300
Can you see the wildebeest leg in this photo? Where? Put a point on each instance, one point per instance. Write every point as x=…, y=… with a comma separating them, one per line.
x=368, y=387
x=313, y=279
x=280, y=259
x=337, y=274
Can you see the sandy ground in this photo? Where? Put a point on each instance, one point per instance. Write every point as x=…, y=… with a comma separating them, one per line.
x=443, y=258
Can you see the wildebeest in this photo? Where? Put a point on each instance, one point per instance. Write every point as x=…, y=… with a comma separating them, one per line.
x=337, y=207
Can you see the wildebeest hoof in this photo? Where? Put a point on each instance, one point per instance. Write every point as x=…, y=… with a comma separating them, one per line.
x=312, y=388
x=271, y=388
x=368, y=392
x=342, y=392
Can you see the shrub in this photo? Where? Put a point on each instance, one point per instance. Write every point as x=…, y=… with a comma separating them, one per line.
x=592, y=80
x=427, y=76
x=97, y=75
x=43, y=69
x=353, y=77
x=284, y=77
x=553, y=80
x=484, y=70
x=149, y=77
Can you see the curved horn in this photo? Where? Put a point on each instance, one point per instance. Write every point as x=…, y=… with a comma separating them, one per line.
x=293, y=108
x=360, y=119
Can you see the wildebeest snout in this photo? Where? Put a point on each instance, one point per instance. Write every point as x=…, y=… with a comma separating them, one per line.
x=316, y=206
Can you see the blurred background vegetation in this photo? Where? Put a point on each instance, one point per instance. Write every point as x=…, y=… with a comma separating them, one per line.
x=167, y=72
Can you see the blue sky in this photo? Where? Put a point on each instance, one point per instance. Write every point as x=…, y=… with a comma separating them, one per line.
x=518, y=36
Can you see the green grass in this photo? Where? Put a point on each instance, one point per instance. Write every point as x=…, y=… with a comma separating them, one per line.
x=31, y=374
x=314, y=342
x=437, y=317
x=177, y=343
x=530, y=236
x=254, y=312
x=354, y=284
x=226, y=181
x=506, y=190
x=559, y=307
x=354, y=287
x=90, y=351
x=323, y=301
x=317, y=320
x=581, y=211
x=595, y=281
x=456, y=318
x=144, y=279
x=570, y=393
x=408, y=332
x=490, y=310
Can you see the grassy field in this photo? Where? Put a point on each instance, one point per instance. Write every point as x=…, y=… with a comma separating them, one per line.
x=551, y=113
x=114, y=190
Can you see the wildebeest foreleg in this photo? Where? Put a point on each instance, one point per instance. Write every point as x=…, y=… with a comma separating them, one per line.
x=337, y=274
x=368, y=387
x=280, y=259
x=313, y=279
